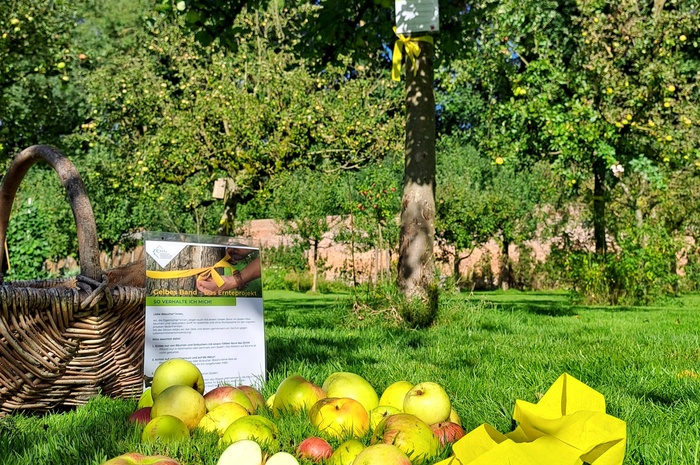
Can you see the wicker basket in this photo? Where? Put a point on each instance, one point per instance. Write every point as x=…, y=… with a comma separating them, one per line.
x=63, y=341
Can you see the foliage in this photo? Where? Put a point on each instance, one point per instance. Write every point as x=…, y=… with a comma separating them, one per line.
x=479, y=200
x=182, y=115
x=640, y=272
x=36, y=67
x=41, y=226
x=308, y=205
x=590, y=86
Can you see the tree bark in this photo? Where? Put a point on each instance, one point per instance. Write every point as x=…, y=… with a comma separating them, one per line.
x=314, y=267
x=599, y=206
x=416, y=263
x=505, y=266
x=190, y=257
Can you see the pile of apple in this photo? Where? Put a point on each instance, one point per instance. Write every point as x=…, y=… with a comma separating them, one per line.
x=408, y=423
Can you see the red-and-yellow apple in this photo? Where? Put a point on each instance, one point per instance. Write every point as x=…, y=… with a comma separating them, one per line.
x=340, y=417
x=221, y=417
x=176, y=371
x=354, y=386
x=429, y=402
x=254, y=427
x=384, y=454
x=296, y=394
x=134, y=458
x=315, y=449
x=223, y=394
x=395, y=393
x=410, y=434
x=346, y=452
x=165, y=428
x=281, y=458
x=244, y=452
x=255, y=397
x=447, y=432
x=141, y=416
x=380, y=412
x=180, y=401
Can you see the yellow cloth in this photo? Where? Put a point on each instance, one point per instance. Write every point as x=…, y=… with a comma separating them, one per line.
x=566, y=427
x=201, y=273
x=412, y=49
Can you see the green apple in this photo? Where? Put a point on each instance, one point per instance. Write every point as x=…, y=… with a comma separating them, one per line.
x=270, y=402
x=221, y=417
x=222, y=394
x=134, y=458
x=254, y=427
x=244, y=452
x=166, y=428
x=296, y=394
x=384, y=454
x=345, y=384
x=346, y=452
x=146, y=400
x=282, y=458
x=429, y=402
x=180, y=401
x=255, y=397
x=176, y=371
x=340, y=417
x=410, y=434
x=394, y=394
x=380, y=412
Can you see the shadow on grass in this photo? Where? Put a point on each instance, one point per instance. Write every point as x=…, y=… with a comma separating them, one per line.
x=315, y=350
x=302, y=313
x=304, y=328
x=545, y=308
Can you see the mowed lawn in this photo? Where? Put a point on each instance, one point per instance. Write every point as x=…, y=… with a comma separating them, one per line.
x=487, y=350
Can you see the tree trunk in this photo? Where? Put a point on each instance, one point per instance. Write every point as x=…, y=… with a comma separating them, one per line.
x=455, y=268
x=314, y=268
x=191, y=257
x=416, y=265
x=599, y=206
x=505, y=266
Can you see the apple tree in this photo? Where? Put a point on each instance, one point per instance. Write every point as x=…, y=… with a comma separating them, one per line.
x=480, y=200
x=308, y=206
x=37, y=99
x=591, y=86
x=375, y=205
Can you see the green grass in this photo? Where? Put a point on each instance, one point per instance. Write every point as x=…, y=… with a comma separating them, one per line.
x=486, y=349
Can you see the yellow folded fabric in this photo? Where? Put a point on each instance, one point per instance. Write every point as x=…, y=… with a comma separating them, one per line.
x=568, y=426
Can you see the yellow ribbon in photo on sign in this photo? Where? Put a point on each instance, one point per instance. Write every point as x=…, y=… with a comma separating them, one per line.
x=410, y=46
x=201, y=273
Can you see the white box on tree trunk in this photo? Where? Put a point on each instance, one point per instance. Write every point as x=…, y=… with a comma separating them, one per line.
x=413, y=16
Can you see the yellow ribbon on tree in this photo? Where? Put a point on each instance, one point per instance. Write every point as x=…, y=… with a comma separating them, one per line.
x=201, y=273
x=412, y=49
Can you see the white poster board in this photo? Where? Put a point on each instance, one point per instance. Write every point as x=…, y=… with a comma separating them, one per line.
x=204, y=304
x=415, y=16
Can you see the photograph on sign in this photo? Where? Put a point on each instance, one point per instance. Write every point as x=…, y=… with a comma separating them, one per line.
x=414, y=16
x=204, y=304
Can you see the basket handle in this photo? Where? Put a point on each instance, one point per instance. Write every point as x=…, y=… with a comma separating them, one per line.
x=82, y=210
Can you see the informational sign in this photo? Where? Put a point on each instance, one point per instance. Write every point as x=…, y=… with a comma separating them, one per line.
x=204, y=304
x=414, y=16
